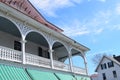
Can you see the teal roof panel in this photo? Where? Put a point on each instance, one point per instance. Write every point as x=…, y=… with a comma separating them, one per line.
x=12, y=73
x=82, y=78
x=65, y=76
x=41, y=75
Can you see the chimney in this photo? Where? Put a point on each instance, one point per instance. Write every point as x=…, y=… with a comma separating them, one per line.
x=114, y=56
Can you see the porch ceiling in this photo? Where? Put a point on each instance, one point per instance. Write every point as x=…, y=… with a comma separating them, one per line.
x=37, y=38
x=62, y=53
x=60, y=50
x=9, y=27
x=75, y=52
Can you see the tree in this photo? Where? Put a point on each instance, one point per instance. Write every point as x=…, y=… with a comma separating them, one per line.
x=97, y=58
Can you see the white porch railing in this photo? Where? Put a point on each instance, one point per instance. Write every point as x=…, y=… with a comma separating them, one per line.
x=16, y=56
x=36, y=60
x=61, y=66
x=10, y=54
x=79, y=70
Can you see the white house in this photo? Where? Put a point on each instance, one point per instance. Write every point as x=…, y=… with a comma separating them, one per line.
x=108, y=68
x=31, y=48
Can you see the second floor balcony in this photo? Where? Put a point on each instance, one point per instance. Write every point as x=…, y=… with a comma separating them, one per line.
x=16, y=56
x=32, y=46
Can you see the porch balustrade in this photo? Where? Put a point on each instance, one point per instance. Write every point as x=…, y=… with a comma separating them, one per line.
x=36, y=60
x=79, y=70
x=10, y=54
x=61, y=66
x=16, y=56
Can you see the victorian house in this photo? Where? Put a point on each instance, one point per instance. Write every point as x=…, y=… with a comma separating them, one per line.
x=31, y=48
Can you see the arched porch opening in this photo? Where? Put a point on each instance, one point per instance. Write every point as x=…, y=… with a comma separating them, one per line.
x=10, y=35
x=60, y=52
x=37, y=44
x=77, y=59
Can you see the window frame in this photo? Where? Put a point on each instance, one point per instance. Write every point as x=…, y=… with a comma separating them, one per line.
x=104, y=76
x=103, y=66
x=40, y=52
x=114, y=74
x=110, y=64
x=17, y=45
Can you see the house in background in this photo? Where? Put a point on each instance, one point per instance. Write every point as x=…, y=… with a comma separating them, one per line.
x=31, y=48
x=108, y=68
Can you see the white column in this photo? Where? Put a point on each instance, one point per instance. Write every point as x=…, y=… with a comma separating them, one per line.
x=23, y=51
x=85, y=62
x=70, y=62
x=51, y=57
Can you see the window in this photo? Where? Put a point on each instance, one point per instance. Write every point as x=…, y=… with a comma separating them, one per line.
x=104, y=76
x=40, y=51
x=103, y=66
x=47, y=55
x=17, y=45
x=110, y=64
x=43, y=53
x=114, y=74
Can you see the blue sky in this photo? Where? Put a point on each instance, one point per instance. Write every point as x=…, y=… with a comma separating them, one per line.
x=93, y=23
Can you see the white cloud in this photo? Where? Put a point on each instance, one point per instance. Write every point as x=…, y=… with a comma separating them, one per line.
x=94, y=26
x=49, y=7
x=116, y=27
x=76, y=28
x=98, y=0
x=77, y=1
x=102, y=0
x=76, y=31
x=117, y=9
x=98, y=31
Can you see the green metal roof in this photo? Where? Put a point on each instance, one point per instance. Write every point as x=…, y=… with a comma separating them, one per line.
x=40, y=75
x=12, y=73
x=82, y=78
x=15, y=73
x=65, y=76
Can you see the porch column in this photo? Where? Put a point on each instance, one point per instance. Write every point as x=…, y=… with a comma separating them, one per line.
x=23, y=51
x=70, y=61
x=51, y=57
x=85, y=62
